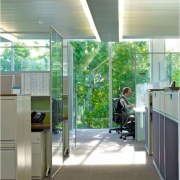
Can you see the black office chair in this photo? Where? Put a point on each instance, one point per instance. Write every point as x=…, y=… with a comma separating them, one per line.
x=118, y=118
x=128, y=126
x=125, y=121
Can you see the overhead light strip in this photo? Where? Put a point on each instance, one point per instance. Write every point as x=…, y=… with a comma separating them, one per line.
x=7, y=36
x=90, y=19
x=121, y=17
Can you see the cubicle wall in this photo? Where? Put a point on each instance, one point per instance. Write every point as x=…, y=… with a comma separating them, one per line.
x=165, y=111
x=148, y=122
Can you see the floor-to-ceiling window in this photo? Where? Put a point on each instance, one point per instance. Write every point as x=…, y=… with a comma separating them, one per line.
x=25, y=55
x=130, y=65
x=91, y=79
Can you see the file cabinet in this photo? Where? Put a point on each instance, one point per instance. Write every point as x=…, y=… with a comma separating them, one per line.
x=38, y=154
x=15, y=141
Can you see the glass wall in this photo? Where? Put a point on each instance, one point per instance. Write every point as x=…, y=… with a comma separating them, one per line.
x=130, y=65
x=57, y=106
x=91, y=65
x=169, y=68
x=25, y=55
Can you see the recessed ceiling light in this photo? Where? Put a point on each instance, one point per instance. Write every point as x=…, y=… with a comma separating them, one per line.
x=40, y=21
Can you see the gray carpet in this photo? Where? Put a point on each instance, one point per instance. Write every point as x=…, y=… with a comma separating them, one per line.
x=103, y=156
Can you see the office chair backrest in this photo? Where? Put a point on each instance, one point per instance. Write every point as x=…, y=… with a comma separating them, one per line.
x=115, y=104
x=117, y=116
x=119, y=108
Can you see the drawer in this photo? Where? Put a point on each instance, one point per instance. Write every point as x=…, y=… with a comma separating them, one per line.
x=171, y=104
x=36, y=165
x=8, y=164
x=156, y=100
x=7, y=145
x=36, y=137
x=36, y=148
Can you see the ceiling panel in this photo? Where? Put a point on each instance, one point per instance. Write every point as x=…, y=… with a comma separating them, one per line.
x=105, y=16
x=151, y=19
x=142, y=18
x=66, y=16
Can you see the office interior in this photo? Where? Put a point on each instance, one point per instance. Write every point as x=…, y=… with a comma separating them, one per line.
x=38, y=150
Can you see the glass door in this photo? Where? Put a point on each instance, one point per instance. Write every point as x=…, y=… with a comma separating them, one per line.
x=72, y=102
x=57, y=104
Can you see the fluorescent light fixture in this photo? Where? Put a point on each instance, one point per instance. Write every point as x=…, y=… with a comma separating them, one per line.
x=121, y=17
x=7, y=36
x=90, y=19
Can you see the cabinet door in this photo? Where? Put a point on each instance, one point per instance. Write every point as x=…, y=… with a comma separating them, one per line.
x=36, y=165
x=156, y=137
x=8, y=164
x=8, y=119
x=171, y=149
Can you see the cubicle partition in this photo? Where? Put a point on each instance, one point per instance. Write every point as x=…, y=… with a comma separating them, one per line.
x=165, y=110
x=148, y=122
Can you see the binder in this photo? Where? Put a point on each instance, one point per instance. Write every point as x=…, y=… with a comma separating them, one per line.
x=39, y=84
x=46, y=82
x=33, y=84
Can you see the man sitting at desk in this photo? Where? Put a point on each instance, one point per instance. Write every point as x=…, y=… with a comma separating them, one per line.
x=123, y=104
x=123, y=108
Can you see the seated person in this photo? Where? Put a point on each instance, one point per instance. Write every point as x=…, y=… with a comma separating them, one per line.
x=123, y=108
x=123, y=104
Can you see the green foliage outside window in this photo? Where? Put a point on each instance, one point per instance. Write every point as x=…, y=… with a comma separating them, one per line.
x=91, y=68
x=20, y=57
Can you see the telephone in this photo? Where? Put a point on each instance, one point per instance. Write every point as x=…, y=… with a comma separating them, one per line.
x=37, y=117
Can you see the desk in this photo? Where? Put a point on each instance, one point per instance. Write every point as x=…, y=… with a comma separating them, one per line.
x=139, y=123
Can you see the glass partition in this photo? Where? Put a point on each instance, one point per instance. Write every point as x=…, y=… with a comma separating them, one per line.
x=169, y=68
x=57, y=106
x=71, y=101
x=143, y=67
x=130, y=67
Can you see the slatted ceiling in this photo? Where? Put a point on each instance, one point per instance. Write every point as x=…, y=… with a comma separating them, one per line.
x=66, y=16
x=151, y=19
x=142, y=18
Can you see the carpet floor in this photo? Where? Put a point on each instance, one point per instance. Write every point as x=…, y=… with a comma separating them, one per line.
x=100, y=155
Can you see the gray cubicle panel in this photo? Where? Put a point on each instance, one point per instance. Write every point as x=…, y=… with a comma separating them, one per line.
x=147, y=129
x=171, y=149
x=156, y=138
x=165, y=134
x=161, y=146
